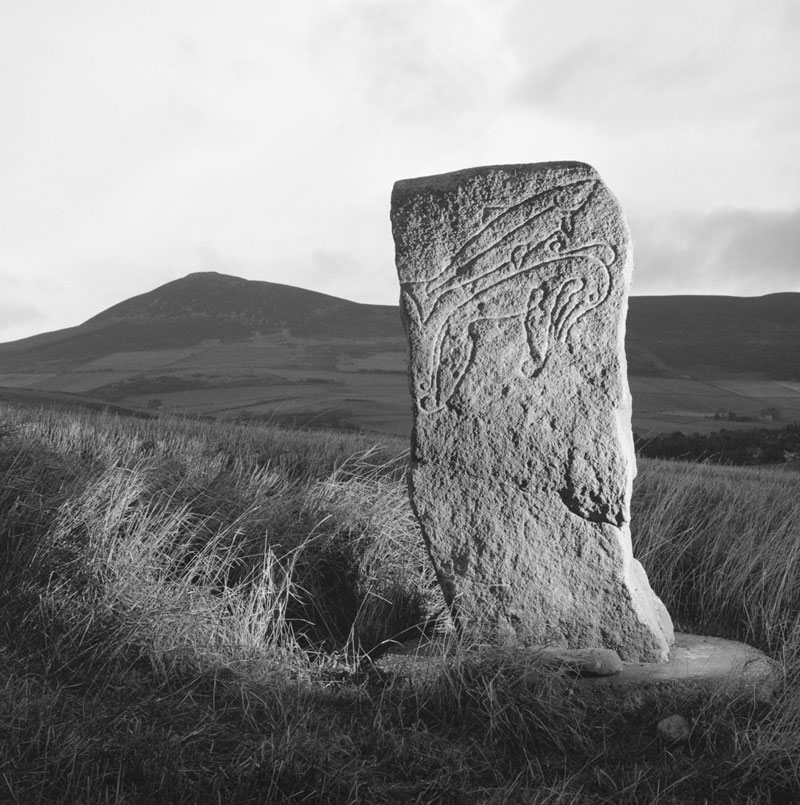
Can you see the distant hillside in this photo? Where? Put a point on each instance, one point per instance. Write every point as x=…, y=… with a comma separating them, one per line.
x=667, y=336
x=200, y=307
x=715, y=336
x=218, y=346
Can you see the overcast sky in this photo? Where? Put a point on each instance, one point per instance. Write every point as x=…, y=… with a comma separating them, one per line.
x=146, y=139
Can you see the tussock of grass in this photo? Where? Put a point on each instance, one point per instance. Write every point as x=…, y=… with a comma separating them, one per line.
x=722, y=545
x=191, y=613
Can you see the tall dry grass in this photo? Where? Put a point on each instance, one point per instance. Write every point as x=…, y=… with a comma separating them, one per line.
x=722, y=547
x=189, y=612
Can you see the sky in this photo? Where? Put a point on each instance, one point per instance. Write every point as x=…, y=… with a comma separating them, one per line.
x=143, y=140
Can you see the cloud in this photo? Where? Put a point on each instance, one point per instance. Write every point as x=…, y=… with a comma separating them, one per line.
x=333, y=266
x=596, y=80
x=342, y=274
x=729, y=251
x=14, y=314
x=676, y=65
x=419, y=63
x=264, y=143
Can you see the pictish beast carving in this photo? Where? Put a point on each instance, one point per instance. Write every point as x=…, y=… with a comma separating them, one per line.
x=531, y=241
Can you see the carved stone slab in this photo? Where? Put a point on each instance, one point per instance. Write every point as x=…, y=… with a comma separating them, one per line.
x=514, y=292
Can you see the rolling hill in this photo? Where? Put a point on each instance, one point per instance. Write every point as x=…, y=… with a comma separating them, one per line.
x=715, y=336
x=216, y=345
x=200, y=307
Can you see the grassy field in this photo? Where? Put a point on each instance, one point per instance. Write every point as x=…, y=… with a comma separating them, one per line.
x=356, y=383
x=192, y=613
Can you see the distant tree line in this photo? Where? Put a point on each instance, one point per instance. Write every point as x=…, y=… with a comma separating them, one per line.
x=756, y=446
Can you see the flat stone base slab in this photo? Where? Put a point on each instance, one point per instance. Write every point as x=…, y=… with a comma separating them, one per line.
x=698, y=667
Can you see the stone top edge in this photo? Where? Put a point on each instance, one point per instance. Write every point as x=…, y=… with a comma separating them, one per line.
x=443, y=181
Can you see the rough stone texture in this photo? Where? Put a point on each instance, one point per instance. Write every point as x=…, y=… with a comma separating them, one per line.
x=514, y=291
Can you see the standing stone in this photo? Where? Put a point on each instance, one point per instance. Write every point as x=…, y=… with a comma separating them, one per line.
x=513, y=293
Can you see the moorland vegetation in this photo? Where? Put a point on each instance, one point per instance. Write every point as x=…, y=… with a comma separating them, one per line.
x=753, y=446
x=194, y=612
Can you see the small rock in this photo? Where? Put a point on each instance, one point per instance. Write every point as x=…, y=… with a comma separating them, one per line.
x=601, y=662
x=763, y=675
x=673, y=729
x=588, y=661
